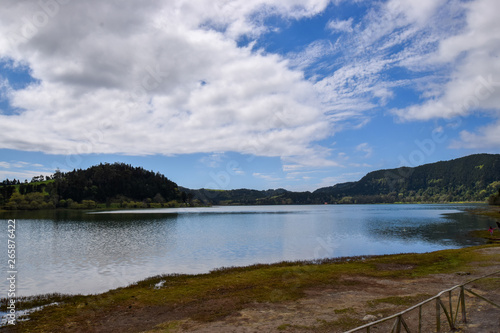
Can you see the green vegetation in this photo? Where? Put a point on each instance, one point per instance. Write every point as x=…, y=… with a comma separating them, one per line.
x=213, y=296
x=400, y=300
x=105, y=185
x=494, y=199
x=474, y=178
x=241, y=196
x=471, y=178
x=30, y=302
x=489, y=283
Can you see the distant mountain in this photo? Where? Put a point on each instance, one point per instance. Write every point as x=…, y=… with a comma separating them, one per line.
x=239, y=196
x=470, y=178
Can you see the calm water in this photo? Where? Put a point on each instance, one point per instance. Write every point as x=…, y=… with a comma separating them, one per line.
x=76, y=252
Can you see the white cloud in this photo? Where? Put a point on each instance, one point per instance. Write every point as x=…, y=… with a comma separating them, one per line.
x=419, y=11
x=238, y=172
x=365, y=148
x=391, y=35
x=22, y=174
x=457, y=41
x=266, y=177
x=488, y=137
x=312, y=54
x=168, y=77
x=359, y=165
x=19, y=164
x=340, y=25
x=316, y=159
x=473, y=84
x=22, y=170
x=157, y=78
x=213, y=160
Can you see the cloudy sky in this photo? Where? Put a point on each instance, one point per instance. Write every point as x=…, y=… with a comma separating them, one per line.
x=247, y=93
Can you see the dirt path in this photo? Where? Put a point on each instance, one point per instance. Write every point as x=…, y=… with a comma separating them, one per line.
x=329, y=309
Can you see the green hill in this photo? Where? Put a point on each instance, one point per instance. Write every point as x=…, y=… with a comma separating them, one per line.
x=115, y=185
x=240, y=196
x=470, y=178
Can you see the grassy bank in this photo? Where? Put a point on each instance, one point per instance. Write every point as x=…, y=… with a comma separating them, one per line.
x=490, y=211
x=160, y=302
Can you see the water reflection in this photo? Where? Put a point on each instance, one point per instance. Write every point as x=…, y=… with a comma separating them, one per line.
x=74, y=252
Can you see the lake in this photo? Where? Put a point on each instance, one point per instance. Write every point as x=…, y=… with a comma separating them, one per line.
x=78, y=252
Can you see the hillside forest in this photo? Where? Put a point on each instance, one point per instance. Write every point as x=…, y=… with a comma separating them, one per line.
x=106, y=185
x=474, y=178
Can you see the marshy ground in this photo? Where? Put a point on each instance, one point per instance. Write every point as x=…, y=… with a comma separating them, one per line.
x=287, y=297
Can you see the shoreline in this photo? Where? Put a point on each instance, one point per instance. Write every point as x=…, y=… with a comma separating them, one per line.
x=117, y=209
x=234, y=289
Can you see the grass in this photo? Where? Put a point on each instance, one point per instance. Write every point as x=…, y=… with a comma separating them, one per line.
x=490, y=239
x=29, y=302
x=166, y=327
x=222, y=292
x=17, y=186
x=490, y=211
x=283, y=327
x=488, y=283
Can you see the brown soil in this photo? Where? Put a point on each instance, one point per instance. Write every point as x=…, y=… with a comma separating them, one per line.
x=331, y=308
x=322, y=309
x=325, y=308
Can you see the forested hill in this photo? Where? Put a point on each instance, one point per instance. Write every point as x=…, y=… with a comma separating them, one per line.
x=115, y=185
x=471, y=178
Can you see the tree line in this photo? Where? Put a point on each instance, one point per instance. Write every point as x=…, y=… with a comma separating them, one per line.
x=471, y=178
x=112, y=185
x=474, y=178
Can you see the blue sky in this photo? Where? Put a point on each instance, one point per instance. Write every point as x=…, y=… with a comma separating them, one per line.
x=247, y=93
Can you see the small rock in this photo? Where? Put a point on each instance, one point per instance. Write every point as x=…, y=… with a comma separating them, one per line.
x=160, y=284
x=369, y=318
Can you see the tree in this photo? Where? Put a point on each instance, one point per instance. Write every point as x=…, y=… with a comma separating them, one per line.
x=58, y=175
x=17, y=201
x=159, y=198
x=89, y=204
x=494, y=199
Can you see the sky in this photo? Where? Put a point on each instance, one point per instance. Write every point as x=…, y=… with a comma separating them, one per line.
x=228, y=94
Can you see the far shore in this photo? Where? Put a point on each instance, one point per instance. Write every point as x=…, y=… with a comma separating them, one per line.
x=103, y=208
